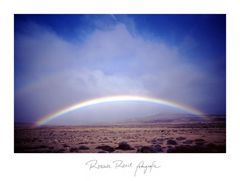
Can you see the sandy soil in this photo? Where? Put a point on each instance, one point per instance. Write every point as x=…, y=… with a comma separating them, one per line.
x=154, y=137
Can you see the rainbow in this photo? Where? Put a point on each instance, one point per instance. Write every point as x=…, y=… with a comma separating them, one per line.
x=92, y=102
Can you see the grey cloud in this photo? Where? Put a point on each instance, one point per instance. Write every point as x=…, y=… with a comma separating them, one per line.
x=109, y=62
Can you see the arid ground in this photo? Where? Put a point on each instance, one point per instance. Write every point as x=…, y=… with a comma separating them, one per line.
x=184, y=136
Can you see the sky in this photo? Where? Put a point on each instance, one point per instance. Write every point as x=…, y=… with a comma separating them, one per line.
x=62, y=59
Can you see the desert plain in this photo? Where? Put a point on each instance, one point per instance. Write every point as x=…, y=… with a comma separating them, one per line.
x=186, y=135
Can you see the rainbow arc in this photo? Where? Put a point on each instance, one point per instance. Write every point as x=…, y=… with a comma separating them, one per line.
x=120, y=98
